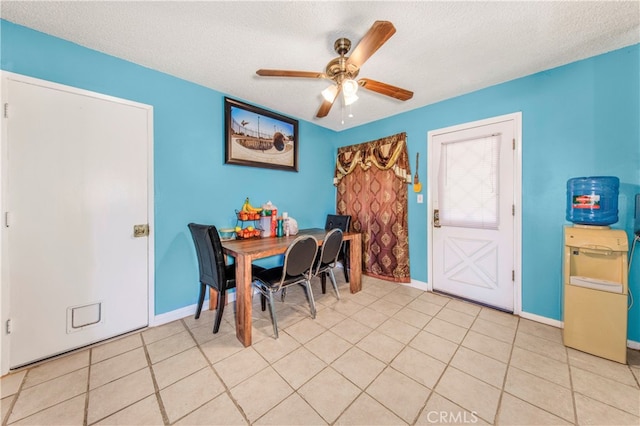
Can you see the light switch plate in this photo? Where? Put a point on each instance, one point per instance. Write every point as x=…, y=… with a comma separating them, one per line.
x=420, y=199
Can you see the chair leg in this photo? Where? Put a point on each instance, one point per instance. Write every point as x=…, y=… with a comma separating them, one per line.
x=263, y=302
x=272, y=308
x=219, y=310
x=203, y=288
x=283, y=294
x=323, y=281
x=312, y=303
x=346, y=263
x=333, y=281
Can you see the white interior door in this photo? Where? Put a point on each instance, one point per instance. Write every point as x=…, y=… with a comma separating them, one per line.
x=77, y=183
x=472, y=193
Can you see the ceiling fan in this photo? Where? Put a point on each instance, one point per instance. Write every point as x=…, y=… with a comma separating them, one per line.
x=343, y=70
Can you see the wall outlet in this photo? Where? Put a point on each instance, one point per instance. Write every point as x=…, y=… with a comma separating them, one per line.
x=420, y=199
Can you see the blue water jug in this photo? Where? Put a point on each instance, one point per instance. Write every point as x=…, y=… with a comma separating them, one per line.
x=593, y=200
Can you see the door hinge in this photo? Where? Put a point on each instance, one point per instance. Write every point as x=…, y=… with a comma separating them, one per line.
x=9, y=326
x=514, y=144
x=513, y=275
x=6, y=110
x=513, y=209
x=7, y=219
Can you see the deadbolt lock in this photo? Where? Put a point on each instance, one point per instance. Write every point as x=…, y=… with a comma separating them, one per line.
x=140, y=230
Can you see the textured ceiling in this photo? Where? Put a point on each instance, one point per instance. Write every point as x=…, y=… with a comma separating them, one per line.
x=440, y=50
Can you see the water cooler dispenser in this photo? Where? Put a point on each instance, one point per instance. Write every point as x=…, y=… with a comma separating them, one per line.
x=595, y=291
x=595, y=271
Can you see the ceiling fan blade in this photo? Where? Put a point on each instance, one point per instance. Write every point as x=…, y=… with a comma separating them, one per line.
x=385, y=89
x=324, y=109
x=378, y=34
x=289, y=73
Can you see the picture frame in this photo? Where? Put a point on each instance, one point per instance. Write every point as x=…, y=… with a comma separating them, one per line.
x=256, y=137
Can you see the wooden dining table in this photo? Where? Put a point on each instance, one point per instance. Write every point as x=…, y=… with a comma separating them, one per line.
x=246, y=251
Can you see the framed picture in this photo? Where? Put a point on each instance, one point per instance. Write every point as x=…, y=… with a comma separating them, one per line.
x=259, y=138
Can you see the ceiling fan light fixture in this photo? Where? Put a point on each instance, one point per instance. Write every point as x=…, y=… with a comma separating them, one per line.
x=329, y=94
x=349, y=99
x=349, y=87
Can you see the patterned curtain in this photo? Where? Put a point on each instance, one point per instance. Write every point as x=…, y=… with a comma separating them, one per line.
x=371, y=180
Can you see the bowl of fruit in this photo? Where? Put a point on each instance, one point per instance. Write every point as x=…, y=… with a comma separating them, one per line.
x=248, y=232
x=246, y=216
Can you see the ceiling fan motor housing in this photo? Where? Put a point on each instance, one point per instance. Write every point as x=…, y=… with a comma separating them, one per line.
x=337, y=69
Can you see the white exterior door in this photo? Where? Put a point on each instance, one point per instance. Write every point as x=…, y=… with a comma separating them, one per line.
x=77, y=182
x=473, y=207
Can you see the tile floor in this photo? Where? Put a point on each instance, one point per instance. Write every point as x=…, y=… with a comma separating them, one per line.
x=388, y=355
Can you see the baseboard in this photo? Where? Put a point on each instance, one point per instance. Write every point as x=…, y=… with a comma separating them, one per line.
x=175, y=315
x=187, y=311
x=420, y=285
x=631, y=344
x=544, y=320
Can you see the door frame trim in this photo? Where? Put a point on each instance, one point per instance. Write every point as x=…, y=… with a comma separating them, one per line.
x=5, y=77
x=517, y=201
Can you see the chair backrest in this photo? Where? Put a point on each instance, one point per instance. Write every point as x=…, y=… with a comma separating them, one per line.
x=299, y=257
x=342, y=222
x=210, y=256
x=330, y=248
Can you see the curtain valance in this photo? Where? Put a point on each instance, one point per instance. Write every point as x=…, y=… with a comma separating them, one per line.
x=386, y=153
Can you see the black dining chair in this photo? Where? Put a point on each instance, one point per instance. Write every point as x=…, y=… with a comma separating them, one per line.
x=214, y=272
x=342, y=222
x=327, y=259
x=297, y=269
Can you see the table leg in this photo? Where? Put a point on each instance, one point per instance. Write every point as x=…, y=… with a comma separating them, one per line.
x=355, y=264
x=243, y=300
x=213, y=299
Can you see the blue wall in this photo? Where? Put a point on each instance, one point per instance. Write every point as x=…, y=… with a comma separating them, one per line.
x=578, y=120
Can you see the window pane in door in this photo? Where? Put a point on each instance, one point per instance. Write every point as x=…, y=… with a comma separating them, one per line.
x=468, y=183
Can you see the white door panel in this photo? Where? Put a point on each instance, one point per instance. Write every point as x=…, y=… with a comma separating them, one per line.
x=472, y=262
x=77, y=183
x=472, y=200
